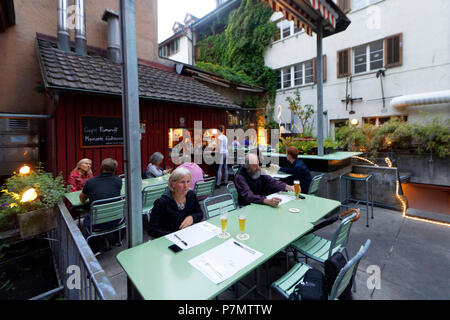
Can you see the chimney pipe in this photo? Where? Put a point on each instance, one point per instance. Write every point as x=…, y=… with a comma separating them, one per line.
x=114, y=47
x=63, y=25
x=80, y=28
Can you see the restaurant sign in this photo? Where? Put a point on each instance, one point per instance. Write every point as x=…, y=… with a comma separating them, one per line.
x=98, y=131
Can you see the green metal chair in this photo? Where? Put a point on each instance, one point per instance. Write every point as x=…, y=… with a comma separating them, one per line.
x=214, y=205
x=286, y=284
x=204, y=188
x=104, y=211
x=231, y=187
x=235, y=168
x=320, y=249
x=149, y=195
x=315, y=182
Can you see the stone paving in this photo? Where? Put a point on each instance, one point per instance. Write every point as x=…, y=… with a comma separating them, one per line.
x=413, y=256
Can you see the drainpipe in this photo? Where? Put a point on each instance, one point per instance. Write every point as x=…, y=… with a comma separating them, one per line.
x=80, y=28
x=114, y=47
x=63, y=26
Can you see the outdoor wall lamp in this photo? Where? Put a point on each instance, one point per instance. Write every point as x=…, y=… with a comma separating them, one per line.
x=354, y=122
x=25, y=170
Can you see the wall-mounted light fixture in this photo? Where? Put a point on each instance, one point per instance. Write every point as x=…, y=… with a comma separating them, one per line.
x=354, y=122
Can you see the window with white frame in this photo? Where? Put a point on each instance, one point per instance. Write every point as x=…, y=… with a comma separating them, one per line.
x=287, y=77
x=358, y=4
x=174, y=46
x=368, y=57
x=278, y=79
x=285, y=29
x=303, y=73
x=297, y=75
x=163, y=52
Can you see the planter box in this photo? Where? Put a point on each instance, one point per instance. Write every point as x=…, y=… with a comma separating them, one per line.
x=36, y=222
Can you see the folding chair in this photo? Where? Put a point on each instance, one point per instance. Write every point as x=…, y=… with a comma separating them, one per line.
x=204, y=188
x=149, y=195
x=287, y=283
x=103, y=211
x=320, y=249
x=231, y=187
x=214, y=205
x=315, y=182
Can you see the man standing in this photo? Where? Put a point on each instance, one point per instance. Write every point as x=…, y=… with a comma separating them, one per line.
x=222, y=145
x=253, y=187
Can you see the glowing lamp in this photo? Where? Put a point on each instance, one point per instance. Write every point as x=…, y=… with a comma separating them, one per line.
x=354, y=122
x=25, y=169
x=29, y=195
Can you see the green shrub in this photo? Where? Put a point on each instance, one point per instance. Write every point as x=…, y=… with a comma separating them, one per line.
x=50, y=191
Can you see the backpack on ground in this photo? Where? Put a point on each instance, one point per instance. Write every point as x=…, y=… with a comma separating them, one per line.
x=333, y=266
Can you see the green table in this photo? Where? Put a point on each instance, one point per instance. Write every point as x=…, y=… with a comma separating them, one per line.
x=74, y=197
x=159, y=274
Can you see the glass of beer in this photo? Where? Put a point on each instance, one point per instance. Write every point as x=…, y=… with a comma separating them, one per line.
x=297, y=188
x=272, y=169
x=242, y=236
x=223, y=223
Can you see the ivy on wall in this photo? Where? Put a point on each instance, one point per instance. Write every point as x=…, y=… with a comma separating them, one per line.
x=237, y=53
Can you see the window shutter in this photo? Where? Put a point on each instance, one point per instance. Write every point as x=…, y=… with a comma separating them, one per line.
x=393, y=47
x=344, y=5
x=324, y=69
x=343, y=63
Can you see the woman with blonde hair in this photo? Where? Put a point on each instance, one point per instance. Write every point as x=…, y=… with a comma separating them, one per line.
x=178, y=207
x=81, y=174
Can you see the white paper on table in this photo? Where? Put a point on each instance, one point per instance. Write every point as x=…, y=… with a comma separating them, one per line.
x=223, y=261
x=194, y=235
x=284, y=198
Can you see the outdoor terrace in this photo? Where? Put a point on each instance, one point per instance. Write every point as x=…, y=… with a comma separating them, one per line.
x=413, y=256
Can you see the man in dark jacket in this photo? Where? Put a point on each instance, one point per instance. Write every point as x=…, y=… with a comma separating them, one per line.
x=299, y=170
x=253, y=187
x=106, y=185
x=177, y=208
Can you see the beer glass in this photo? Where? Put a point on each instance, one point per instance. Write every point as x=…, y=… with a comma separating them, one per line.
x=223, y=223
x=272, y=169
x=242, y=236
x=296, y=188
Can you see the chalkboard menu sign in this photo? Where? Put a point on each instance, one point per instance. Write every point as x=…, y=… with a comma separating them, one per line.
x=97, y=131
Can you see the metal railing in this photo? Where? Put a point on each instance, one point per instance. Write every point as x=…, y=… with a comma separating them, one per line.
x=79, y=272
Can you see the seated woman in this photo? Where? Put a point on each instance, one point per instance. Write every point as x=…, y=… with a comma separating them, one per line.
x=154, y=168
x=81, y=174
x=177, y=208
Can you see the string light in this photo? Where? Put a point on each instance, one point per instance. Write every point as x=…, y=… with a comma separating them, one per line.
x=364, y=159
x=403, y=203
x=401, y=198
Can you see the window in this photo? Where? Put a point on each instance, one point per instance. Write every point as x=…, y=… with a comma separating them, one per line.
x=379, y=121
x=303, y=73
x=163, y=51
x=309, y=78
x=287, y=77
x=298, y=74
x=368, y=57
x=286, y=31
x=174, y=47
x=278, y=79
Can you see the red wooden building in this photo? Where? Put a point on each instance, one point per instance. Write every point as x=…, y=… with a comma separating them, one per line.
x=86, y=90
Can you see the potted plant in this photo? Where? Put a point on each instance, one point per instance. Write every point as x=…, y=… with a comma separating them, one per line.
x=28, y=200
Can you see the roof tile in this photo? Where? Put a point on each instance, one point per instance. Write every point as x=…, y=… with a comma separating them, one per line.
x=96, y=73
